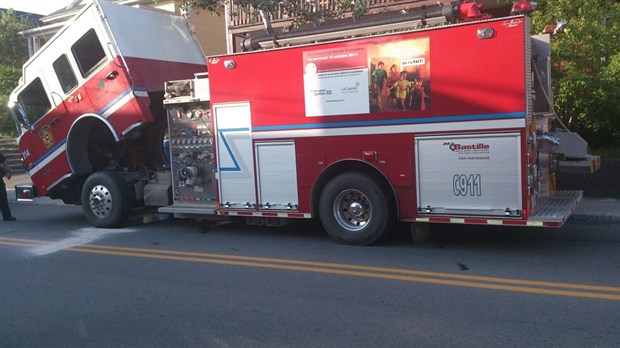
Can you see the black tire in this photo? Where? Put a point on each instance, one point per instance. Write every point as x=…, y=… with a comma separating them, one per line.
x=355, y=209
x=106, y=199
x=420, y=232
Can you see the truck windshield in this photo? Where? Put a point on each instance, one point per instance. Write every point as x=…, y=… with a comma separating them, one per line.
x=32, y=104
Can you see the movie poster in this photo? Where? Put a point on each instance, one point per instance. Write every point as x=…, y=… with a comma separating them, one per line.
x=386, y=77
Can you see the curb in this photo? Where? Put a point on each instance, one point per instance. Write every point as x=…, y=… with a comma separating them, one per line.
x=594, y=218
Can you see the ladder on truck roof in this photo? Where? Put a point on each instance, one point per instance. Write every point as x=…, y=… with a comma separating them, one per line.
x=410, y=20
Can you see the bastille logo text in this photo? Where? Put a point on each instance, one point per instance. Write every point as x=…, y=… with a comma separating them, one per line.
x=461, y=147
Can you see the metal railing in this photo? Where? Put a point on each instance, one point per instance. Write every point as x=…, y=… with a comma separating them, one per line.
x=247, y=16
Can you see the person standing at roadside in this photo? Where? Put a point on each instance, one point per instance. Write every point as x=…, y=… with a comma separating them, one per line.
x=5, y=172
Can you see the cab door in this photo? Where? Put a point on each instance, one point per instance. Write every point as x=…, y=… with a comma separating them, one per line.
x=106, y=82
x=43, y=144
x=104, y=86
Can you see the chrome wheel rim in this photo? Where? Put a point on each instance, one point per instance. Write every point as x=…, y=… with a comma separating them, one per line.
x=352, y=210
x=100, y=201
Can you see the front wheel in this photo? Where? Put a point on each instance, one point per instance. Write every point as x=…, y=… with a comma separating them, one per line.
x=355, y=209
x=106, y=200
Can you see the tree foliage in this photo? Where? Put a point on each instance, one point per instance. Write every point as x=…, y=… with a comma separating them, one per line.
x=304, y=13
x=9, y=76
x=13, y=53
x=13, y=46
x=586, y=66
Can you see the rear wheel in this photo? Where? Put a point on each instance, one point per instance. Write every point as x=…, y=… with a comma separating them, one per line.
x=106, y=199
x=420, y=232
x=355, y=209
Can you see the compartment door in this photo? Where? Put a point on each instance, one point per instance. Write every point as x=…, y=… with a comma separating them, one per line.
x=277, y=176
x=235, y=161
x=473, y=174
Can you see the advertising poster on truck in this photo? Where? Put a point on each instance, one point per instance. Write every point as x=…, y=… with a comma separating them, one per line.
x=336, y=81
x=371, y=78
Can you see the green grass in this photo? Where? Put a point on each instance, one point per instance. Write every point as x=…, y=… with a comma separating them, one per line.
x=607, y=152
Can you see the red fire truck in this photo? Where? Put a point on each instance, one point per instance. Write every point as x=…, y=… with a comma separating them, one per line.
x=441, y=115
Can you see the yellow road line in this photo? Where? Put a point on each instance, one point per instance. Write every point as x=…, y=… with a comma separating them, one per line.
x=332, y=265
x=526, y=286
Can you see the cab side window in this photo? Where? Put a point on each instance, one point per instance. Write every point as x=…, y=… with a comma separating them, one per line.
x=34, y=101
x=88, y=53
x=65, y=74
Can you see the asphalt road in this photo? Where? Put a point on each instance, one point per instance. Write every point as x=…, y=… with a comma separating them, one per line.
x=177, y=283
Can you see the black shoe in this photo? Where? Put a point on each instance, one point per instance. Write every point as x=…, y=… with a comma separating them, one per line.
x=10, y=219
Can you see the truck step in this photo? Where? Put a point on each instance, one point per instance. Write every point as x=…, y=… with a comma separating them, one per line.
x=557, y=207
x=190, y=211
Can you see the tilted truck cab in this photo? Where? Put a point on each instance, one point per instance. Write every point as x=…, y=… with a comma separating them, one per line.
x=90, y=101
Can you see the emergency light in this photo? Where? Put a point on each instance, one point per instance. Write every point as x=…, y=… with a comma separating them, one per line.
x=523, y=7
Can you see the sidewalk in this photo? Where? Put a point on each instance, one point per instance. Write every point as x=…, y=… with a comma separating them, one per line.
x=589, y=210
x=17, y=179
x=597, y=210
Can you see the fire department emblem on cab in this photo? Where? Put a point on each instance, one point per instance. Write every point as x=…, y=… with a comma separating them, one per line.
x=46, y=136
